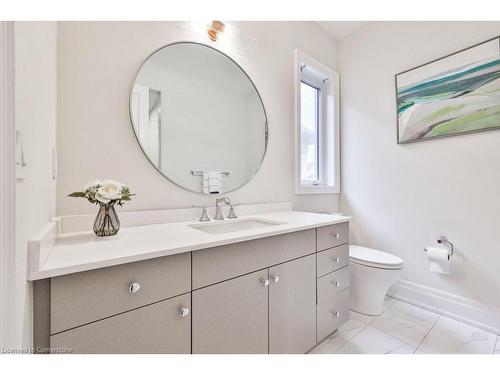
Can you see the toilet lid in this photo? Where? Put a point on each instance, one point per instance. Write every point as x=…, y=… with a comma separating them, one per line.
x=374, y=258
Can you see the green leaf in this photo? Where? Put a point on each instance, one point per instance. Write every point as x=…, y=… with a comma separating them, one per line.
x=77, y=194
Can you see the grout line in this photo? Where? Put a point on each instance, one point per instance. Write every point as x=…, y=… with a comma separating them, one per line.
x=369, y=324
x=395, y=337
x=345, y=343
x=427, y=334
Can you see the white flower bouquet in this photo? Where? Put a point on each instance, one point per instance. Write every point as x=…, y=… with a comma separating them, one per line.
x=106, y=193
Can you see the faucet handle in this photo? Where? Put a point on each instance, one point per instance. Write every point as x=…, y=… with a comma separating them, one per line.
x=232, y=214
x=204, y=215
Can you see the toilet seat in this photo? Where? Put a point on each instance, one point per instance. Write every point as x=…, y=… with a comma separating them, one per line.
x=366, y=256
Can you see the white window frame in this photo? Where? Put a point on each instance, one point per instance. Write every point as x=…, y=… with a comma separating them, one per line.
x=329, y=133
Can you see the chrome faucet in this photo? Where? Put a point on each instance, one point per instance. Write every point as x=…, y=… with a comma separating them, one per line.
x=204, y=216
x=232, y=214
x=218, y=207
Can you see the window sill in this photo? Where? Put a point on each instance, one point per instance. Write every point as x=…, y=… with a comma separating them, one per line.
x=317, y=190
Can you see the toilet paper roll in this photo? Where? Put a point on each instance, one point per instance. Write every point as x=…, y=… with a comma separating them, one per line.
x=439, y=260
x=437, y=254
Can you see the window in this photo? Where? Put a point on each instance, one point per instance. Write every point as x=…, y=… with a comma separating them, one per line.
x=309, y=132
x=317, y=134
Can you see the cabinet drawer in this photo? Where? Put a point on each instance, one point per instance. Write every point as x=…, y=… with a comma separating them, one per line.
x=332, y=235
x=331, y=314
x=85, y=297
x=156, y=328
x=332, y=259
x=333, y=283
x=224, y=262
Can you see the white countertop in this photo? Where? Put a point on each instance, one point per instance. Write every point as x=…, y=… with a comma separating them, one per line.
x=83, y=251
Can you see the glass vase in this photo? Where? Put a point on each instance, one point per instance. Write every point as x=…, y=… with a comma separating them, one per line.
x=106, y=222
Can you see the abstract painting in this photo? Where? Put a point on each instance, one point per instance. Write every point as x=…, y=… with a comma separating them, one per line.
x=457, y=94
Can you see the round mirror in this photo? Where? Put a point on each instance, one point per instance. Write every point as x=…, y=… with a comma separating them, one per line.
x=199, y=118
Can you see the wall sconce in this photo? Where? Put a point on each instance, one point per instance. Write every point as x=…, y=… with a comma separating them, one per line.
x=215, y=29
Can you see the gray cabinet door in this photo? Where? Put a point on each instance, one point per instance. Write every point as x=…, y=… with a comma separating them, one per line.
x=156, y=328
x=84, y=297
x=292, y=306
x=231, y=317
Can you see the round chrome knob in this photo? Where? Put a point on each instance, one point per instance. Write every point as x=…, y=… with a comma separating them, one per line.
x=335, y=314
x=134, y=288
x=275, y=278
x=264, y=282
x=336, y=283
x=335, y=235
x=184, y=312
x=336, y=259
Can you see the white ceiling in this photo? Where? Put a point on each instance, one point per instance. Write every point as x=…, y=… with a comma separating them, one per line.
x=341, y=29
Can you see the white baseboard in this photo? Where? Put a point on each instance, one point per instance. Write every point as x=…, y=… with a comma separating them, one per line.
x=469, y=311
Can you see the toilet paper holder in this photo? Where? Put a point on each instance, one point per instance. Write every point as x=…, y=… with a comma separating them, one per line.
x=444, y=241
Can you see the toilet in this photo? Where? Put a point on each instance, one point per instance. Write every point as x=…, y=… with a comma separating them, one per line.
x=372, y=274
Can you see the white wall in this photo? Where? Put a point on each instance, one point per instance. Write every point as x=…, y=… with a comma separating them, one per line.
x=7, y=183
x=35, y=112
x=403, y=196
x=97, y=65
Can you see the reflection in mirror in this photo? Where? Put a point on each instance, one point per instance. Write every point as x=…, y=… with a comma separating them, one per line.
x=147, y=121
x=199, y=118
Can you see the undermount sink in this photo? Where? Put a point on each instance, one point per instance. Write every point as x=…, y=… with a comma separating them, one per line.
x=234, y=226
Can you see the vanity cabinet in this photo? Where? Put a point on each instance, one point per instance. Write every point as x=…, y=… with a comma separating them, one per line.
x=292, y=306
x=332, y=259
x=84, y=297
x=231, y=317
x=224, y=262
x=269, y=311
x=333, y=280
x=279, y=294
x=332, y=236
x=162, y=327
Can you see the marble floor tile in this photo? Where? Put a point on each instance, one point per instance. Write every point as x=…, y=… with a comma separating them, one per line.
x=340, y=337
x=497, y=346
x=406, y=322
x=373, y=341
x=450, y=336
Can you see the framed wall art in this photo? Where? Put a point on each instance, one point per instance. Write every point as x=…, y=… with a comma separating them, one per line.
x=453, y=95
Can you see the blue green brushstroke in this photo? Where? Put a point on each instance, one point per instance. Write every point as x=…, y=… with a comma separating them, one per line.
x=460, y=82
